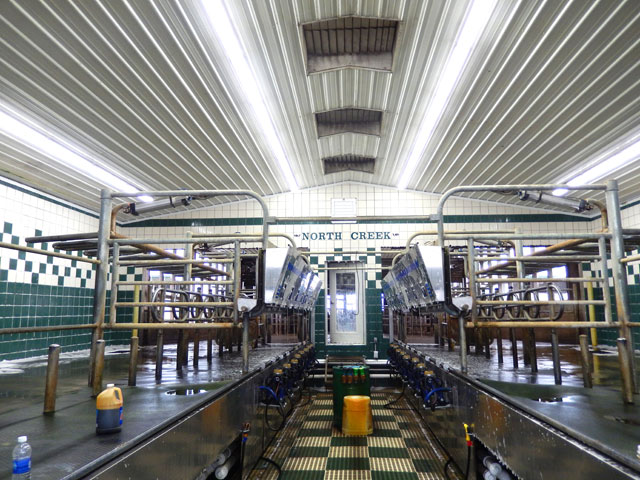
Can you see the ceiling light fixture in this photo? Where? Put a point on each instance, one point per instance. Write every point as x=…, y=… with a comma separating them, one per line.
x=603, y=166
x=474, y=23
x=249, y=86
x=16, y=127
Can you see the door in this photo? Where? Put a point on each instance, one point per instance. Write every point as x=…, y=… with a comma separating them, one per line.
x=345, y=304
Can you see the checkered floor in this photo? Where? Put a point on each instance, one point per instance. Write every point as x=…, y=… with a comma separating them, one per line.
x=310, y=448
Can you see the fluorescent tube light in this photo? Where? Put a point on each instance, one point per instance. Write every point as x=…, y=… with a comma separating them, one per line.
x=473, y=25
x=603, y=166
x=14, y=127
x=249, y=86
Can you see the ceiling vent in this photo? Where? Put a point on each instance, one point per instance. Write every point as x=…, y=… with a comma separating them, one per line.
x=355, y=42
x=343, y=163
x=349, y=120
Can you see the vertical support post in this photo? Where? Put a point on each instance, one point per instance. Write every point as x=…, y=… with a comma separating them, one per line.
x=463, y=345
x=625, y=368
x=620, y=283
x=182, y=359
x=473, y=290
x=586, y=363
x=51, y=383
x=514, y=347
x=529, y=338
x=245, y=343
x=115, y=263
x=99, y=367
x=604, y=274
x=499, y=344
x=209, y=346
x=100, y=292
x=196, y=348
x=159, y=355
x=237, y=277
x=391, y=337
x=555, y=354
x=183, y=342
x=133, y=361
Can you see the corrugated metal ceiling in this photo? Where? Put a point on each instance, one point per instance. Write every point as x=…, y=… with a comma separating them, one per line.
x=144, y=88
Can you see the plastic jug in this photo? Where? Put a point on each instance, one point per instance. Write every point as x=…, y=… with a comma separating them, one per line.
x=357, y=418
x=109, y=410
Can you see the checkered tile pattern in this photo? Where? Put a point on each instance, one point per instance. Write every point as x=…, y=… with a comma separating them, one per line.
x=310, y=448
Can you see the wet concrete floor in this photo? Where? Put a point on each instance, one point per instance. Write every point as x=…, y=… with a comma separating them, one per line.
x=22, y=381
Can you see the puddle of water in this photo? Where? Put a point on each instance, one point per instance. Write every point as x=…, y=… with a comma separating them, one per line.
x=552, y=399
x=186, y=391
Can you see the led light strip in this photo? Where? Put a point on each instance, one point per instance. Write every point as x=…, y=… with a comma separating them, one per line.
x=602, y=166
x=471, y=29
x=247, y=82
x=15, y=126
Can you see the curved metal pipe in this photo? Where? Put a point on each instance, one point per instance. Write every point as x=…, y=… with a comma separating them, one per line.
x=244, y=235
x=603, y=212
x=210, y=193
x=489, y=188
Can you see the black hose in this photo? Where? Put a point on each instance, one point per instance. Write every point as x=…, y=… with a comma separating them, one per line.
x=466, y=475
x=446, y=466
x=396, y=400
x=275, y=464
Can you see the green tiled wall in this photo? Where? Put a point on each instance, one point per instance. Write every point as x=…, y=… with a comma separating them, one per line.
x=33, y=305
x=372, y=309
x=35, y=291
x=608, y=336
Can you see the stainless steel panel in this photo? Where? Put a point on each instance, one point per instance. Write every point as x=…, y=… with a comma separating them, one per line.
x=186, y=448
x=275, y=261
x=417, y=279
x=528, y=446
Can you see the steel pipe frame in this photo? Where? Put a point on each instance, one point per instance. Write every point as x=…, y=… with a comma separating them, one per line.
x=51, y=378
x=539, y=280
x=623, y=309
x=439, y=217
x=161, y=261
x=237, y=280
x=546, y=324
x=542, y=258
x=541, y=302
x=434, y=232
x=629, y=259
x=210, y=193
x=529, y=338
x=529, y=236
x=47, y=253
x=174, y=304
x=241, y=235
x=100, y=291
x=180, y=282
x=171, y=326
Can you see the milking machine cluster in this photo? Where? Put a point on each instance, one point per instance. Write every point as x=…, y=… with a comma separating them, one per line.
x=283, y=388
x=415, y=375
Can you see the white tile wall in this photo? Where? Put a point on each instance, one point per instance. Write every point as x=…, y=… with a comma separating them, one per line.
x=28, y=213
x=372, y=201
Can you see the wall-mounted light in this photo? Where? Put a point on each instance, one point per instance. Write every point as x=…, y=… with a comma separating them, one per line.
x=576, y=204
x=474, y=24
x=18, y=128
x=603, y=166
x=247, y=83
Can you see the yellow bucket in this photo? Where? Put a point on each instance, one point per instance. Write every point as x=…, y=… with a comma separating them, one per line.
x=357, y=418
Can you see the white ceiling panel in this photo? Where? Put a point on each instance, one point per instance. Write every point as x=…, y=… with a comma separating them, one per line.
x=145, y=90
